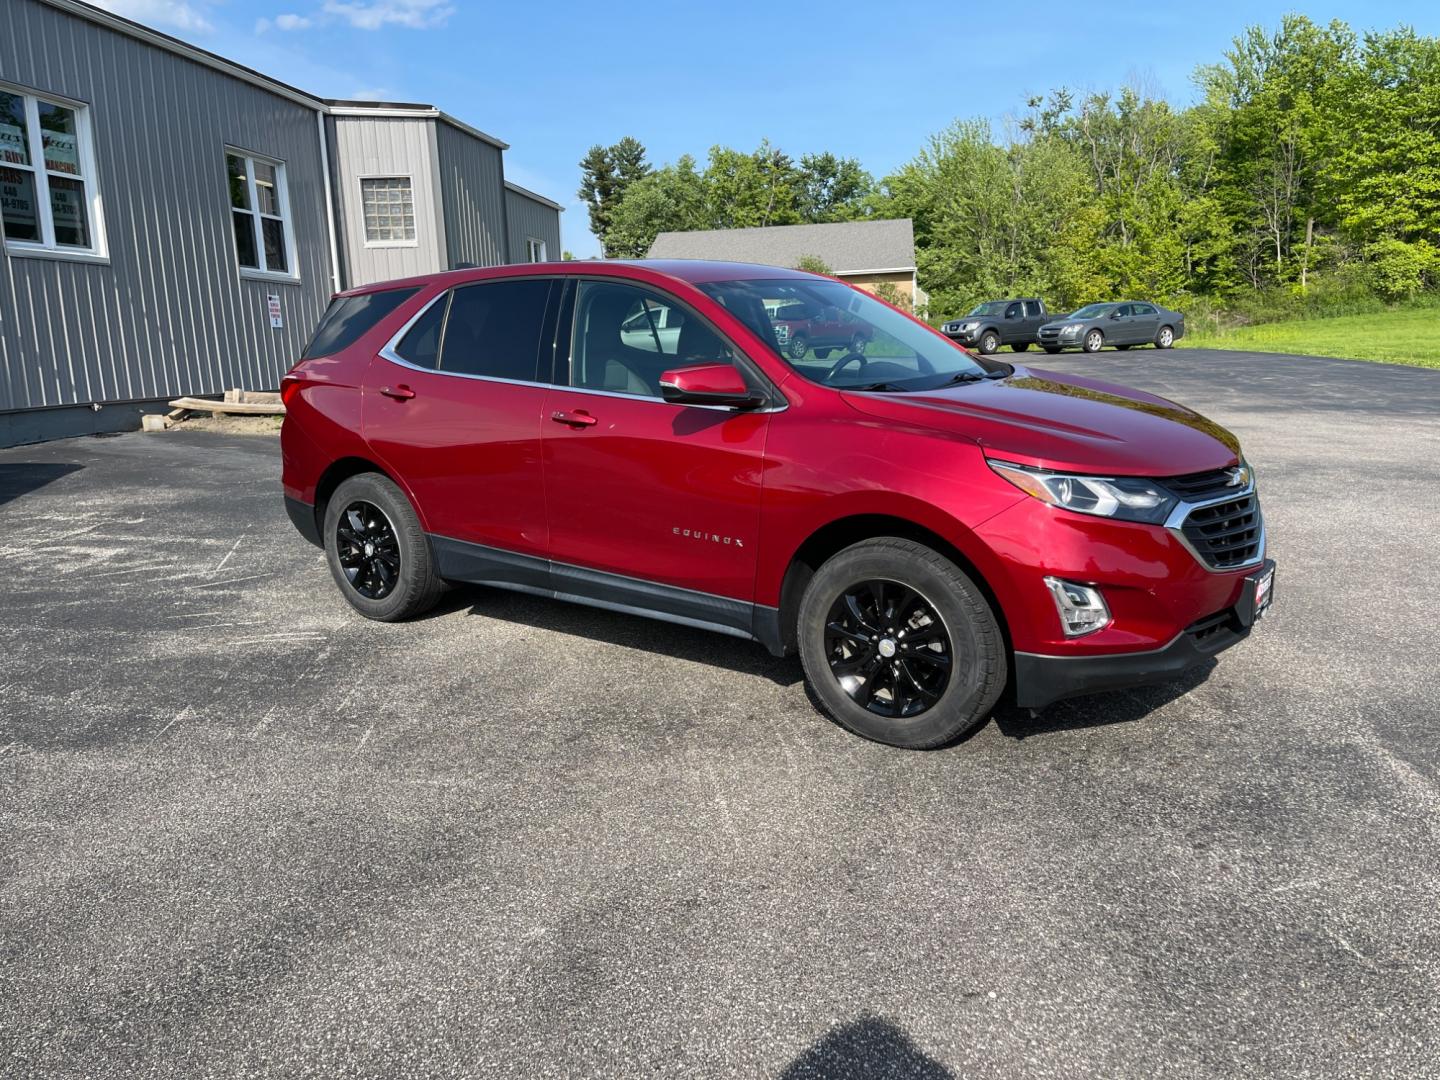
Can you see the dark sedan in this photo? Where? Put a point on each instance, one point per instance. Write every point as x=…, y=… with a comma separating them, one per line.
x=1121, y=325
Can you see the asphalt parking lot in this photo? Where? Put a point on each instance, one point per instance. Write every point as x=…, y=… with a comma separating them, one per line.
x=245, y=832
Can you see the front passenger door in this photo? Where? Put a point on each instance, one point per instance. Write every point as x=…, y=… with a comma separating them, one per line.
x=650, y=504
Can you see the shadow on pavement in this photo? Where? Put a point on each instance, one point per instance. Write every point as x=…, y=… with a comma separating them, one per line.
x=1099, y=710
x=22, y=477
x=869, y=1048
x=617, y=628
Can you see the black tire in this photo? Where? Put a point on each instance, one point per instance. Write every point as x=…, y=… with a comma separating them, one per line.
x=1165, y=339
x=405, y=565
x=1020, y=346
x=822, y=353
x=989, y=342
x=1052, y=349
x=1094, y=341
x=798, y=347
x=932, y=590
x=1122, y=348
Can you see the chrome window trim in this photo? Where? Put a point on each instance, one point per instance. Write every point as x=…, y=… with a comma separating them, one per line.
x=388, y=352
x=1175, y=524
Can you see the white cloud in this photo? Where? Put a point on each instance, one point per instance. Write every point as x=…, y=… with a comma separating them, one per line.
x=176, y=14
x=414, y=14
x=283, y=22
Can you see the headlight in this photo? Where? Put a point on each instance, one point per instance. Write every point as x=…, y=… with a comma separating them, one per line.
x=1127, y=498
x=969, y=325
x=1073, y=330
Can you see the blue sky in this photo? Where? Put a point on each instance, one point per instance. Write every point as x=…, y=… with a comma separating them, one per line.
x=864, y=79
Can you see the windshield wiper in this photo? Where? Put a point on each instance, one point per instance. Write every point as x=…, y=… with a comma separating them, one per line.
x=973, y=376
x=881, y=387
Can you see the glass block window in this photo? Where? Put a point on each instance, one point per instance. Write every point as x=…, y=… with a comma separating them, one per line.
x=389, y=208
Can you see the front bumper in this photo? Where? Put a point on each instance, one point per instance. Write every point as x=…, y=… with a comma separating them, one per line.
x=1042, y=680
x=965, y=337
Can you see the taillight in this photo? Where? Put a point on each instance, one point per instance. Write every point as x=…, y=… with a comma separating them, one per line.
x=290, y=386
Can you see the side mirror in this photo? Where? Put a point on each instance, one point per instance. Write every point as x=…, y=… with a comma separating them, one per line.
x=709, y=384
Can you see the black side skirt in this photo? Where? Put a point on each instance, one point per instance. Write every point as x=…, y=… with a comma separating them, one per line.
x=459, y=560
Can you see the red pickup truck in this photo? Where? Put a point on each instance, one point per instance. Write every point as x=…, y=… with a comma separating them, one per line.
x=801, y=327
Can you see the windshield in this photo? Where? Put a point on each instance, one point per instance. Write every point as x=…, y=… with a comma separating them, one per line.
x=843, y=337
x=1092, y=311
x=994, y=307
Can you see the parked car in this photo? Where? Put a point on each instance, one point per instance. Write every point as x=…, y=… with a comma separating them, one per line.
x=806, y=325
x=928, y=529
x=1121, y=325
x=1000, y=322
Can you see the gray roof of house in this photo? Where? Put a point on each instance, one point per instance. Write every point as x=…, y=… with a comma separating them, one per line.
x=846, y=247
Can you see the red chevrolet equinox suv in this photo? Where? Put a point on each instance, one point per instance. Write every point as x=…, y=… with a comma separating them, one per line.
x=926, y=528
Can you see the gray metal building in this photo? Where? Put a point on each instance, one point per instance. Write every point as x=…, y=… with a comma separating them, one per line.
x=174, y=223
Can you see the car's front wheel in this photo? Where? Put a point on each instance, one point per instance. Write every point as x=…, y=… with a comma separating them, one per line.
x=989, y=342
x=377, y=550
x=1052, y=349
x=1094, y=340
x=899, y=645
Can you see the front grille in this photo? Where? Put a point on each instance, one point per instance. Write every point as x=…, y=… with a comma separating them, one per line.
x=1049, y=333
x=1194, y=487
x=1226, y=535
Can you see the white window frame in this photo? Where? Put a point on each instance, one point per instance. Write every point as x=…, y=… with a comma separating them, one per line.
x=47, y=248
x=364, y=231
x=286, y=219
x=532, y=245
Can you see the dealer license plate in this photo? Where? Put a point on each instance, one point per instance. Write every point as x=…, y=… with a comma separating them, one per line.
x=1264, y=591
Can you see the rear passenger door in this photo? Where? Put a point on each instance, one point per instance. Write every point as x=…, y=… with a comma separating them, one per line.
x=1147, y=322
x=454, y=405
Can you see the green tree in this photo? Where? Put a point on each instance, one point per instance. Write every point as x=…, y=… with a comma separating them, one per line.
x=672, y=199
x=831, y=188
x=607, y=173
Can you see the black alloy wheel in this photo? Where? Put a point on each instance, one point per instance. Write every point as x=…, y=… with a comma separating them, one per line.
x=798, y=347
x=888, y=648
x=368, y=550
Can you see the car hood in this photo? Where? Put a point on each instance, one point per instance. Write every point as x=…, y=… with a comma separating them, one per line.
x=1066, y=422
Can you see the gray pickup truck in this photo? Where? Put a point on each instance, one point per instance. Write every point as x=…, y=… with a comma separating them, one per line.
x=1001, y=322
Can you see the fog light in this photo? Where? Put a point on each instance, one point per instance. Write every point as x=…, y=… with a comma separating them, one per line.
x=1082, y=609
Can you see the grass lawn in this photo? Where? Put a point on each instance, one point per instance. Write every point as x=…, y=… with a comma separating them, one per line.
x=1395, y=337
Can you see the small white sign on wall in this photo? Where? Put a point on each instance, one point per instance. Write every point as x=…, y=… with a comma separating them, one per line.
x=272, y=302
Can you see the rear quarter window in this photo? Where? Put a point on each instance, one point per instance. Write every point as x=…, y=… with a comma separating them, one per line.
x=349, y=317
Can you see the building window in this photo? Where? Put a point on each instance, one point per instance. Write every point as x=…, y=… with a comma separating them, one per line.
x=389, y=208
x=535, y=250
x=47, y=176
x=260, y=214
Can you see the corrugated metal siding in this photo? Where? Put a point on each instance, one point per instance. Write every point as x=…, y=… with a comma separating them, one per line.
x=384, y=146
x=170, y=314
x=472, y=181
x=529, y=218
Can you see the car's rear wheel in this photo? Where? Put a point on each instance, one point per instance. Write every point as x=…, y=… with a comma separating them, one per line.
x=1165, y=339
x=377, y=550
x=799, y=345
x=899, y=645
x=1094, y=341
x=1122, y=348
x=822, y=353
x=989, y=341
x=1020, y=346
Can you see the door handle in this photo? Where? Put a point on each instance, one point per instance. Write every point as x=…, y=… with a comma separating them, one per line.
x=399, y=393
x=579, y=418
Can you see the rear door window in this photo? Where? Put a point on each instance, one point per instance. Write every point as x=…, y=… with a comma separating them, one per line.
x=349, y=317
x=495, y=329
